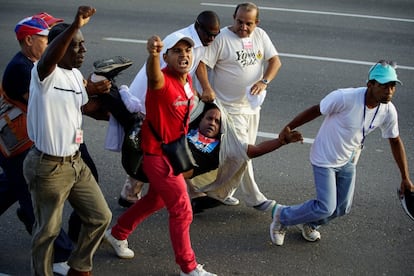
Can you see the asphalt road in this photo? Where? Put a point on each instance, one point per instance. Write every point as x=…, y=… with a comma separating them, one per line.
x=323, y=45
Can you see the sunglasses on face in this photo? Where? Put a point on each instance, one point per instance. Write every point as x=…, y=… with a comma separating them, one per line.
x=205, y=31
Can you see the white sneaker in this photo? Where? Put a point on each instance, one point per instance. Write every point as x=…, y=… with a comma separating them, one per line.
x=120, y=246
x=198, y=271
x=61, y=268
x=277, y=230
x=308, y=233
x=231, y=201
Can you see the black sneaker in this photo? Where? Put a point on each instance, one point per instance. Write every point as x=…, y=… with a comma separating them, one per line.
x=111, y=67
x=199, y=204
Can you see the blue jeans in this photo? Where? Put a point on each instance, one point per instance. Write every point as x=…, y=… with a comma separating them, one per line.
x=334, y=193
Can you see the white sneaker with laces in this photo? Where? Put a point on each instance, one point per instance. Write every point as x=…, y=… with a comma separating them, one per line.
x=308, y=233
x=61, y=268
x=277, y=230
x=198, y=271
x=120, y=246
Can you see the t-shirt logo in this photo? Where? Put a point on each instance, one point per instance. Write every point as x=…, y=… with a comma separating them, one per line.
x=202, y=143
x=259, y=55
x=246, y=57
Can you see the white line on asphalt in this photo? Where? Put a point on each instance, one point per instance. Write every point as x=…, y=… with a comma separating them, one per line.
x=124, y=40
x=340, y=60
x=321, y=12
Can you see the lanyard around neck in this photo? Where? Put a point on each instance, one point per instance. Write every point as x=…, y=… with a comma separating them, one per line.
x=363, y=121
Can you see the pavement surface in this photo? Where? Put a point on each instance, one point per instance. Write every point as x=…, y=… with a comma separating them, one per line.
x=323, y=45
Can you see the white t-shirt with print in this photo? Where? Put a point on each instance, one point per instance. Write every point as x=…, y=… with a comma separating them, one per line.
x=236, y=64
x=342, y=129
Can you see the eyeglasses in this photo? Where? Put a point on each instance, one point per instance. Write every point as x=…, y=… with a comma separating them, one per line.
x=383, y=63
x=204, y=29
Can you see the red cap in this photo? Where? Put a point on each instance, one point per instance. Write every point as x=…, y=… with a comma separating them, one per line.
x=50, y=20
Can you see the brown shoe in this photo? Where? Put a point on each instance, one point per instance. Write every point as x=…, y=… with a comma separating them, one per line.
x=74, y=272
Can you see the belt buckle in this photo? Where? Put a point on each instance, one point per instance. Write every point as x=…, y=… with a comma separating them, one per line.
x=73, y=156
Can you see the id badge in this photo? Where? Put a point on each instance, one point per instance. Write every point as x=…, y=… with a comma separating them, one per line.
x=79, y=136
x=355, y=155
x=247, y=43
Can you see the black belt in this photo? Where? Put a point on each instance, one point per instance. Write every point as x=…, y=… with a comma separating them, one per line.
x=60, y=159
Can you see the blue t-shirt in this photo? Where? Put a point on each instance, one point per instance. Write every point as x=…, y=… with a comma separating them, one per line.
x=16, y=77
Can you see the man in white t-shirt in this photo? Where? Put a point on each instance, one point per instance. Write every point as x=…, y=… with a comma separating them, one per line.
x=350, y=115
x=238, y=58
x=53, y=168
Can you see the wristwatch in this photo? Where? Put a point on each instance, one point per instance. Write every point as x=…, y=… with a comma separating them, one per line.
x=265, y=81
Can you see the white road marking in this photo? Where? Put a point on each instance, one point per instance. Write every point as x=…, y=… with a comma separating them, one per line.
x=409, y=20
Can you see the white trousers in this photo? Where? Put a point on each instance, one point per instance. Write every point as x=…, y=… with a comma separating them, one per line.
x=247, y=126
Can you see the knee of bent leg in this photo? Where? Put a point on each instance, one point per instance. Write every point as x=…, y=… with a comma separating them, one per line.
x=181, y=211
x=103, y=218
x=325, y=209
x=107, y=216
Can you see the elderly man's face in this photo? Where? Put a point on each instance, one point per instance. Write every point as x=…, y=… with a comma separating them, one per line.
x=36, y=46
x=210, y=123
x=245, y=21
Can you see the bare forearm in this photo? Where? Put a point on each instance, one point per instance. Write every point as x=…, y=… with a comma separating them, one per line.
x=202, y=75
x=153, y=70
x=59, y=45
x=272, y=68
x=55, y=52
x=153, y=67
x=271, y=145
x=398, y=152
x=305, y=117
x=254, y=151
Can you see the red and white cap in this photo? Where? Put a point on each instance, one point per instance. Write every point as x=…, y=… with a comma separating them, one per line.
x=31, y=26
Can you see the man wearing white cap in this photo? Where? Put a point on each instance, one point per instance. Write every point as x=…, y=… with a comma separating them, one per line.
x=203, y=32
x=350, y=115
x=169, y=100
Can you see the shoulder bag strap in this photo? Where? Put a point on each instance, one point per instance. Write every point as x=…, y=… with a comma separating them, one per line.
x=19, y=104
